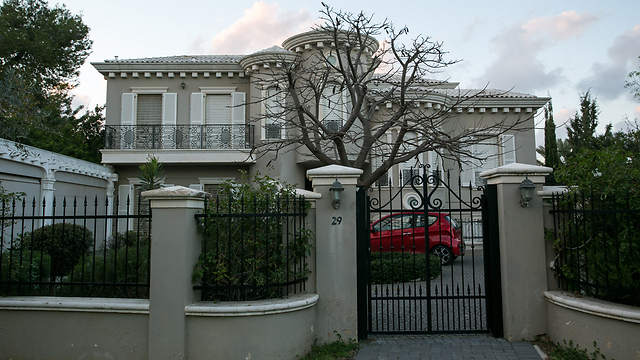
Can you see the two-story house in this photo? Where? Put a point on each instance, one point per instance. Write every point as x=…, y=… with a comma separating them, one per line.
x=202, y=115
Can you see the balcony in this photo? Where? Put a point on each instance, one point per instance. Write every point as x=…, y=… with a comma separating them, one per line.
x=211, y=143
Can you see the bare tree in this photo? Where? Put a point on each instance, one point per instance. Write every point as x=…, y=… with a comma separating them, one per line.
x=347, y=97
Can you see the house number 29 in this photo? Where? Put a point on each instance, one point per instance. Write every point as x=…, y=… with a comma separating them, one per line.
x=336, y=220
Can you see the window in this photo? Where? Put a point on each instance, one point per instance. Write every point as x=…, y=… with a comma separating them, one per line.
x=272, y=109
x=146, y=106
x=487, y=152
x=217, y=109
x=149, y=111
x=332, y=108
x=221, y=111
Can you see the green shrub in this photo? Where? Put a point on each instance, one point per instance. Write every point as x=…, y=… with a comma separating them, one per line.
x=65, y=243
x=122, y=268
x=575, y=353
x=389, y=268
x=23, y=266
x=129, y=238
x=249, y=243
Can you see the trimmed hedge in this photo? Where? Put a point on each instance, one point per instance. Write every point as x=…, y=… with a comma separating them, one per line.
x=388, y=268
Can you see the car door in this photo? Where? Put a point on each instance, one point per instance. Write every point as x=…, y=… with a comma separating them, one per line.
x=386, y=235
x=438, y=232
x=413, y=236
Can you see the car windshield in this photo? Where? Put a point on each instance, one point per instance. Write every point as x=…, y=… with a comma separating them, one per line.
x=453, y=222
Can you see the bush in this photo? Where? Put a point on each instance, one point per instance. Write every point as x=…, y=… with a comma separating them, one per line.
x=65, y=243
x=119, y=269
x=23, y=266
x=251, y=244
x=389, y=268
x=129, y=238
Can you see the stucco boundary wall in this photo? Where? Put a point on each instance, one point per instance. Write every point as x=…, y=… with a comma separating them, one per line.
x=614, y=327
x=173, y=323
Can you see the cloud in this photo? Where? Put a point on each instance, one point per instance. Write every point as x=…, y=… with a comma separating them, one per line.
x=563, y=26
x=262, y=26
x=517, y=64
x=607, y=80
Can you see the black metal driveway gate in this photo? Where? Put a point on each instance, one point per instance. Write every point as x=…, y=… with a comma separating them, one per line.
x=397, y=291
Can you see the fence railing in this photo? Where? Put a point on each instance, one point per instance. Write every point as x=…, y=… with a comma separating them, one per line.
x=597, y=242
x=252, y=248
x=211, y=136
x=71, y=248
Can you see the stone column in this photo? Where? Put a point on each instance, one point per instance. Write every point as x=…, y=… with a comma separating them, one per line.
x=522, y=250
x=175, y=248
x=47, y=191
x=336, y=277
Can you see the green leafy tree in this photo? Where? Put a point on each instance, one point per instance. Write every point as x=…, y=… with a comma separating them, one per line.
x=41, y=51
x=47, y=44
x=551, y=156
x=151, y=174
x=582, y=126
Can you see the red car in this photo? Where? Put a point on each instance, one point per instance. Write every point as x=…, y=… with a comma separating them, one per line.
x=395, y=231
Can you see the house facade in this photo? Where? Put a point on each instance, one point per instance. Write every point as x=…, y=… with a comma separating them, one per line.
x=202, y=116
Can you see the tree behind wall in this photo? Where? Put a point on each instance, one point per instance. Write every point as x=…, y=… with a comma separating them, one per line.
x=551, y=156
x=582, y=126
x=350, y=93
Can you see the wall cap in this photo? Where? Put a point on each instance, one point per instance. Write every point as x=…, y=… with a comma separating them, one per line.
x=252, y=308
x=334, y=171
x=593, y=306
x=77, y=304
x=517, y=169
x=174, y=192
x=308, y=195
x=548, y=191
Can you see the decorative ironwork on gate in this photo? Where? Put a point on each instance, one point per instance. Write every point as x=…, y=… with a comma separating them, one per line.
x=421, y=259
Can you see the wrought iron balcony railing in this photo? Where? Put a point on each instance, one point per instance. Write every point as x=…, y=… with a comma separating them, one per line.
x=212, y=136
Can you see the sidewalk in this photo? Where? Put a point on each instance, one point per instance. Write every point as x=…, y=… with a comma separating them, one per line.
x=445, y=347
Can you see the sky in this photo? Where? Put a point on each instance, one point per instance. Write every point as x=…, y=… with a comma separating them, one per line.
x=560, y=49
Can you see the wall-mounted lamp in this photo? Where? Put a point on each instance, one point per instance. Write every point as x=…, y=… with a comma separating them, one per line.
x=527, y=187
x=182, y=84
x=336, y=189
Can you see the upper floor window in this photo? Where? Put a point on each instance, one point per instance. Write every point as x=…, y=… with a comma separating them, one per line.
x=333, y=108
x=272, y=110
x=489, y=154
x=149, y=109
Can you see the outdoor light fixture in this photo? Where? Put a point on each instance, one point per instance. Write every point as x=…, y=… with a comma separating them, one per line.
x=336, y=188
x=182, y=84
x=527, y=187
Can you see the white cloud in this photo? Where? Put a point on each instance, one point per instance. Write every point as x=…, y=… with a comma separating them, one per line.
x=262, y=26
x=607, y=80
x=563, y=26
x=517, y=64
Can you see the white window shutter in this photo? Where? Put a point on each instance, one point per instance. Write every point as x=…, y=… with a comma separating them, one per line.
x=169, y=108
x=196, y=113
x=128, y=109
x=435, y=163
x=508, y=149
x=467, y=175
x=238, y=109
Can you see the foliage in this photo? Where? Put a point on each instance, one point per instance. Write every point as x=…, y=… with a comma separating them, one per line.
x=583, y=125
x=48, y=44
x=121, y=267
x=151, y=174
x=129, y=238
x=66, y=244
x=390, y=268
x=249, y=242
x=331, y=351
x=564, y=352
x=354, y=91
x=24, y=265
x=551, y=156
x=41, y=50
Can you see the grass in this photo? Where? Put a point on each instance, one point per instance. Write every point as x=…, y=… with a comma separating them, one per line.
x=337, y=350
x=566, y=351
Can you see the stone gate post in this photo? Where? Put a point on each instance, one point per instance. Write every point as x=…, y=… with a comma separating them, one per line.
x=336, y=275
x=522, y=250
x=174, y=253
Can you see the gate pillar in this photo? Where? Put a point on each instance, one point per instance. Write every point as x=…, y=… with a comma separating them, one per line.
x=336, y=275
x=522, y=250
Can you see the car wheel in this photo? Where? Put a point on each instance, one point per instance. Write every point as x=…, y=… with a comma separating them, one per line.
x=444, y=253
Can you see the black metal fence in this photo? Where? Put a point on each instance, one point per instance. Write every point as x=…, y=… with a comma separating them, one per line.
x=252, y=248
x=597, y=242
x=72, y=248
x=212, y=136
